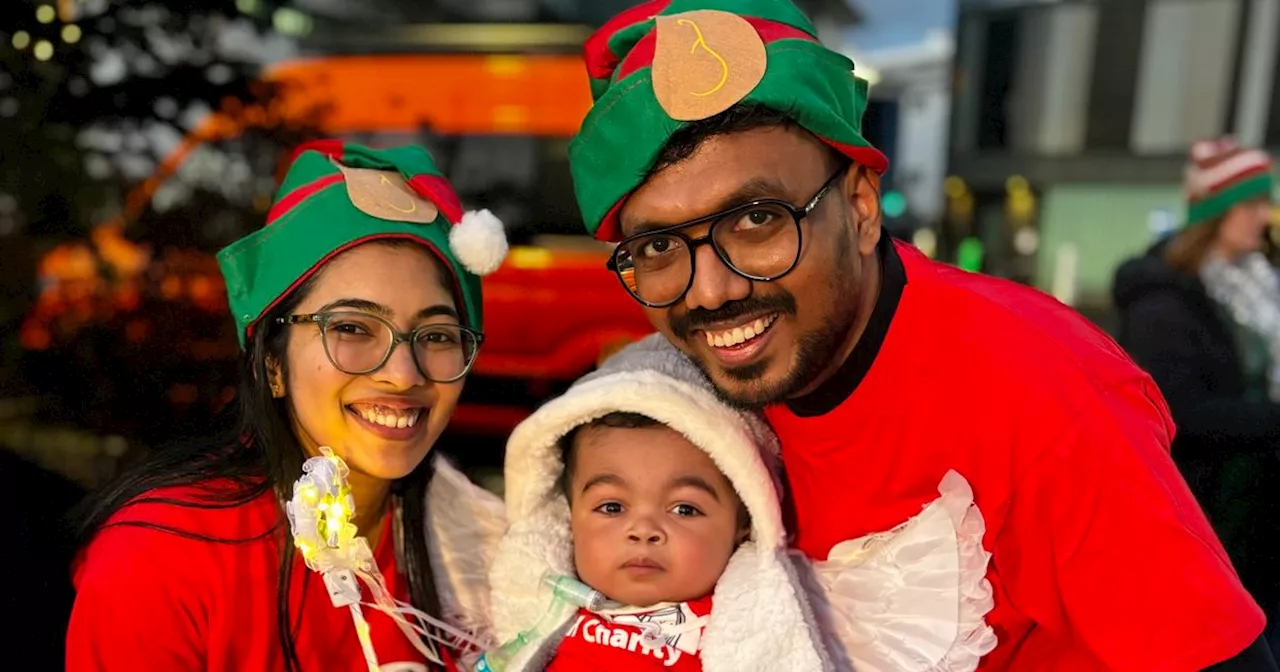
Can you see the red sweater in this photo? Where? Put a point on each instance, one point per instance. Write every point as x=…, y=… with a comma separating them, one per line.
x=154, y=600
x=594, y=643
x=1102, y=559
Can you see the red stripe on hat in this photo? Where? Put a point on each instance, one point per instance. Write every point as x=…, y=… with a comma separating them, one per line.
x=772, y=31
x=600, y=59
x=610, y=229
x=328, y=147
x=867, y=156
x=457, y=282
x=293, y=198
x=437, y=190
x=1240, y=177
x=641, y=55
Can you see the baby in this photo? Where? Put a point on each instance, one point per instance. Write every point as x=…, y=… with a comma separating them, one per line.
x=654, y=523
x=643, y=486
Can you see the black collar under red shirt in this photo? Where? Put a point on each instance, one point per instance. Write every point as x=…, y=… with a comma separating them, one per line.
x=833, y=392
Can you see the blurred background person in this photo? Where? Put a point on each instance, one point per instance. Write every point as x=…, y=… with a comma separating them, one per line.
x=1200, y=311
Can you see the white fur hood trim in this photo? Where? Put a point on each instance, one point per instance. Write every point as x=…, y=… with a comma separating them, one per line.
x=533, y=462
x=760, y=619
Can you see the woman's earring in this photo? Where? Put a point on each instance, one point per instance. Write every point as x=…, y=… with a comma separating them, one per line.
x=277, y=390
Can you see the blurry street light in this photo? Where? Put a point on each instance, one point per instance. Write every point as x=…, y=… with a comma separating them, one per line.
x=21, y=39
x=291, y=21
x=46, y=14
x=926, y=240
x=1021, y=205
x=43, y=50
x=1026, y=241
x=1020, y=202
x=969, y=254
x=71, y=33
x=893, y=204
x=67, y=10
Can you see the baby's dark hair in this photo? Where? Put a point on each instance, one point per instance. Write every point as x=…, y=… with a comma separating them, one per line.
x=568, y=442
x=568, y=445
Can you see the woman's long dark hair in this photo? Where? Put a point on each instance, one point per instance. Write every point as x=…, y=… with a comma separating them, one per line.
x=257, y=450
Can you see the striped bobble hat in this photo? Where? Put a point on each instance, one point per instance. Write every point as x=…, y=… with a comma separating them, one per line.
x=663, y=64
x=1222, y=174
x=338, y=195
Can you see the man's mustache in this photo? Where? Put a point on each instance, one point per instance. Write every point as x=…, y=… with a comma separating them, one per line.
x=683, y=326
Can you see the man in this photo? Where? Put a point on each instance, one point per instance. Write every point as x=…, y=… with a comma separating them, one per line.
x=723, y=153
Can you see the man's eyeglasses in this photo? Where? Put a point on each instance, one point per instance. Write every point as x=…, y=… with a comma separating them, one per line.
x=358, y=343
x=759, y=241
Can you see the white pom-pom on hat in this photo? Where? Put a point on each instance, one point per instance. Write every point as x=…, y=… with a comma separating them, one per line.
x=479, y=242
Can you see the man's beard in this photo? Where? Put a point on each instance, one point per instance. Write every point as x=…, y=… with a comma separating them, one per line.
x=814, y=352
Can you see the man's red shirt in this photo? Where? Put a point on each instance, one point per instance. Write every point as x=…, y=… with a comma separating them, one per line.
x=1101, y=557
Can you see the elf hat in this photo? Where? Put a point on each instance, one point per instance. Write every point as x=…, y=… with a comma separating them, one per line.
x=1221, y=174
x=665, y=63
x=762, y=618
x=336, y=196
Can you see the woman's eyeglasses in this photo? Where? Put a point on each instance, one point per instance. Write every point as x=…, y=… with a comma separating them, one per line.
x=359, y=343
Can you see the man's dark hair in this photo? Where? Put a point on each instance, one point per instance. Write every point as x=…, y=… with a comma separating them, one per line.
x=568, y=442
x=739, y=118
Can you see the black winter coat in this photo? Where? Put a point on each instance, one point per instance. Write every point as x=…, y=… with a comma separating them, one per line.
x=1227, y=446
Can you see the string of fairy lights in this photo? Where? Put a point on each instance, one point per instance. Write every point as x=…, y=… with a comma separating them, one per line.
x=58, y=26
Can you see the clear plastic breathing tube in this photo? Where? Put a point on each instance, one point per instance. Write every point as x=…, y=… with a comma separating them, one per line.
x=566, y=591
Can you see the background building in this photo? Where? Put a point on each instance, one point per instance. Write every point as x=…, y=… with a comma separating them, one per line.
x=1071, y=123
x=907, y=118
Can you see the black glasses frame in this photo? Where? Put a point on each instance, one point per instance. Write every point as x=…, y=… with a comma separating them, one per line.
x=397, y=337
x=717, y=218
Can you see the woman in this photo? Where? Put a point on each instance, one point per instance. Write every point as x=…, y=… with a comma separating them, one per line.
x=358, y=308
x=1201, y=313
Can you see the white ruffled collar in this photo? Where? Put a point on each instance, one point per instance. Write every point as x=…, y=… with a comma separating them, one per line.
x=914, y=598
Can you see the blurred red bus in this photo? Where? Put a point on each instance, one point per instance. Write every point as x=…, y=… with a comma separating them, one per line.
x=499, y=126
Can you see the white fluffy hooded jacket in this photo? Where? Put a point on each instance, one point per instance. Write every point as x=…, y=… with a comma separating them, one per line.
x=760, y=618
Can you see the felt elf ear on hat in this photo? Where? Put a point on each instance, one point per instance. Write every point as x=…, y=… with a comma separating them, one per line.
x=1222, y=174
x=663, y=64
x=336, y=196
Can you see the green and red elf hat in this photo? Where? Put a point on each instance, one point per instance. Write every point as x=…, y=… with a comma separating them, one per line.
x=665, y=63
x=336, y=196
x=1221, y=174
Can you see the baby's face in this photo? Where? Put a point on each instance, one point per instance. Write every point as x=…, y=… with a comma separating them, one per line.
x=653, y=519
